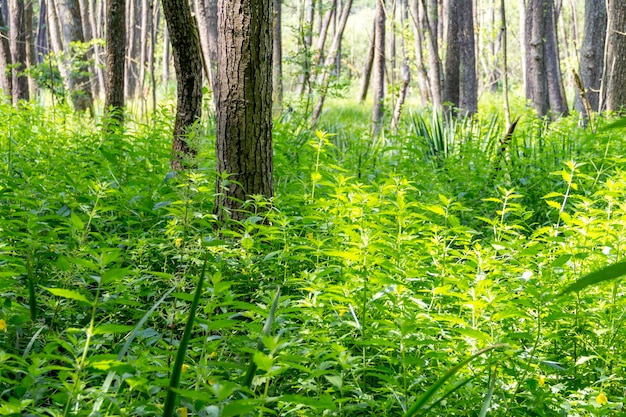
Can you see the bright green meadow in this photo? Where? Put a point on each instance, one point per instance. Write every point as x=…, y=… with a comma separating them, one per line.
x=435, y=271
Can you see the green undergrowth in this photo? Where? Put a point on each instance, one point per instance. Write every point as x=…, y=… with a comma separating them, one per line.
x=421, y=273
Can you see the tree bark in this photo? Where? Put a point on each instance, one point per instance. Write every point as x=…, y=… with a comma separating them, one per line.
x=369, y=63
x=18, y=50
x=188, y=65
x=72, y=31
x=435, y=71
x=379, y=69
x=468, y=93
x=405, y=70
x=202, y=19
x=556, y=89
x=616, y=55
x=5, y=60
x=592, y=54
x=115, y=55
x=244, y=111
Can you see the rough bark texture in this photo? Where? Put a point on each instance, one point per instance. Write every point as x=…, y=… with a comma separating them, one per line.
x=379, y=69
x=556, y=89
x=18, y=50
x=188, y=65
x=468, y=88
x=544, y=82
x=616, y=55
x=5, y=60
x=115, y=55
x=244, y=111
x=435, y=69
x=592, y=53
x=452, y=62
x=72, y=31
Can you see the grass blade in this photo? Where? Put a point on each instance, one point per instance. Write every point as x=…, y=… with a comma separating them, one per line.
x=170, y=400
x=608, y=273
x=451, y=372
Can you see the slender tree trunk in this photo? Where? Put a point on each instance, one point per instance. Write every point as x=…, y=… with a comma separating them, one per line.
x=145, y=30
x=277, y=57
x=202, y=18
x=536, y=72
x=165, y=68
x=435, y=69
x=115, y=56
x=330, y=61
x=616, y=56
x=452, y=63
x=321, y=41
x=188, y=66
x=305, y=34
x=5, y=60
x=379, y=69
x=406, y=71
x=18, y=50
x=41, y=40
x=505, y=61
x=97, y=48
x=592, y=54
x=423, y=81
x=29, y=31
x=131, y=55
x=244, y=111
x=369, y=63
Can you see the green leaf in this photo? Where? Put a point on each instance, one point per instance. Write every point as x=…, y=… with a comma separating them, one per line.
x=69, y=294
x=114, y=274
x=325, y=402
x=608, y=273
x=263, y=361
x=335, y=380
x=112, y=329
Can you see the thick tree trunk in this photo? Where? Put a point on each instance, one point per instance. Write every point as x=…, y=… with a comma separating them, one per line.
x=115, y=55
x=244, y=111
x=188, y=66
x=379, y=69
x=556, y=89
x=41, y=40
x=536, y=73
x=452, y=63
x=616, y=56
x=5, y=60
x=592, y=54
x=468, y=93
x=72, y=30
x=18, y=50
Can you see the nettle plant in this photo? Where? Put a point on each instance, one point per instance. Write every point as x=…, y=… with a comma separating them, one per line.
x=367, y=286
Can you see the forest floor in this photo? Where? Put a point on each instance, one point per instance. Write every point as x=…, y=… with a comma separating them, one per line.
x=421, y=273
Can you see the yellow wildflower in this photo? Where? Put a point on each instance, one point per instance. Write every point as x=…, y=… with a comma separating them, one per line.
x=601, y=399
x=212, y=355
x=184, y=368
x=3, y=325
x=541, y=381
x=178, y=242
x=182, y=411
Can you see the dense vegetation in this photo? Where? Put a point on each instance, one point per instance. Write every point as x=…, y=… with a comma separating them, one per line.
x=394, y=261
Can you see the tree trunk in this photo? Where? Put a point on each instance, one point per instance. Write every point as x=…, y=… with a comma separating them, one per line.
x=556, y=89
x=369, y=63
x=130, y=72
x=165, y=68
x=616, y=55
x=41, y=40
x=97, y=48
x=536, y=73
x=29, y=31
x=244, y=112
x=188, y=65
x=79, y=82
x=406, y=71
x=115, y=55
x=379, y=69
x=5, y=60
x=468, y=98
x=435, y=70
x=452, y=63
x=592, y=54
x=277, y=55
x=18, y=50
x=330, y=61
x=202, y=19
